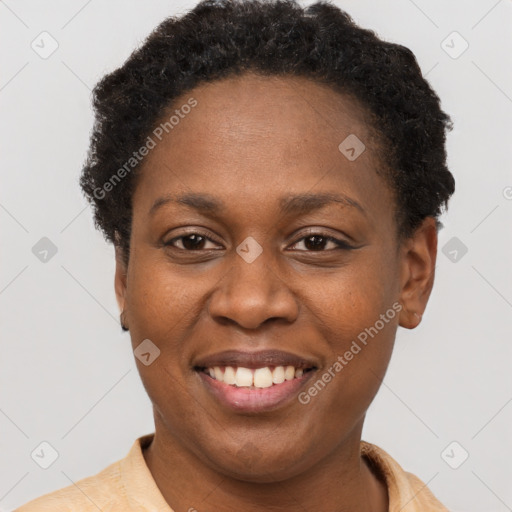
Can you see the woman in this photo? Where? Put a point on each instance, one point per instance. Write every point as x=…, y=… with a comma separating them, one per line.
x=271, y=178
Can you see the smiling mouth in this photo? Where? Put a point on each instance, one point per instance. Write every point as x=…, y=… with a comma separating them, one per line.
x=254, y=382
x=254, y=378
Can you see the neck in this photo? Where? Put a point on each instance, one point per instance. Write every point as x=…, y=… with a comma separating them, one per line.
x=341, y=482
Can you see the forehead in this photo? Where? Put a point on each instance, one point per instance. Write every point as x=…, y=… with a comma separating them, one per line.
x=253, y=109
x=252, y=137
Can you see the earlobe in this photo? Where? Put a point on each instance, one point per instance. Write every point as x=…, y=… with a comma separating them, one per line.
x=409, y=319
x=122, y=321
x=120, y=279
x=418, y=261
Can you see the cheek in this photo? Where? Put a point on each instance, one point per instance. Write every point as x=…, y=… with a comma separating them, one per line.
x=353, y=298
x=160, y=300
x=357, y=313
x=163, y=307
x=167, y=306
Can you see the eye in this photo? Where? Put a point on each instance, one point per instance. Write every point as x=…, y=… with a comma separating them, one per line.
x=317, y=242
x=313, y=242
x=195, y=241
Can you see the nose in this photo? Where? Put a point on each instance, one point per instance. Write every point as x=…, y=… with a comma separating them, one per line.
x=251, y=294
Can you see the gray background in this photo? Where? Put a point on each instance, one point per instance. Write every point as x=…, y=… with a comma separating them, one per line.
x=67, y=374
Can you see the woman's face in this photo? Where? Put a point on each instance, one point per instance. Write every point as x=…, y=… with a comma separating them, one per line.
x=238, y=273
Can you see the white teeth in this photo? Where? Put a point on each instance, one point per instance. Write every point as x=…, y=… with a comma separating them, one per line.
x=218, y=373
x=289, y=373
x=278, y=375
x=229, y=375
x=243, y=377
x=262, y=378
x=258, y=378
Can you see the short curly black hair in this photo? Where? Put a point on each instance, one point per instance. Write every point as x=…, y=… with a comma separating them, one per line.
x=220, y=38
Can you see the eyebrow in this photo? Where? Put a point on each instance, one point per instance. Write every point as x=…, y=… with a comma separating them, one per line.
x=300, y=204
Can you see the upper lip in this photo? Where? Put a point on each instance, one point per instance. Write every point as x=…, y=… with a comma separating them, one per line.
x=253, y=360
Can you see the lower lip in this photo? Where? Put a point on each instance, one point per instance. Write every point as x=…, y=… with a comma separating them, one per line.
x=255, y=399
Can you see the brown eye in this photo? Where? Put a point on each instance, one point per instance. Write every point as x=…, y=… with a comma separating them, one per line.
x=317, y=242
x=190, y=242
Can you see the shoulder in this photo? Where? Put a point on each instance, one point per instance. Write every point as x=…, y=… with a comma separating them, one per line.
x=424, y=496
x=406, y=491
x=103, y=491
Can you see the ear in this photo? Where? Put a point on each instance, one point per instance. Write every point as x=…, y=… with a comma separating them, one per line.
x=418, y=262
x=120, y=280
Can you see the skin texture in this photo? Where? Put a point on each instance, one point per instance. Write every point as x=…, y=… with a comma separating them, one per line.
x=248, y=142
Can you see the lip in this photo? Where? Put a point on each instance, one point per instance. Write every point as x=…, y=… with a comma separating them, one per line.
x=255, y=400
x=253, y=360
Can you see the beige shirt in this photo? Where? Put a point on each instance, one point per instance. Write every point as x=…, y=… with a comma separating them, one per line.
x=127, y=485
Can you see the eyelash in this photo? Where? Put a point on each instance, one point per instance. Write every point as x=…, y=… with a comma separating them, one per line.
x=340, y=244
